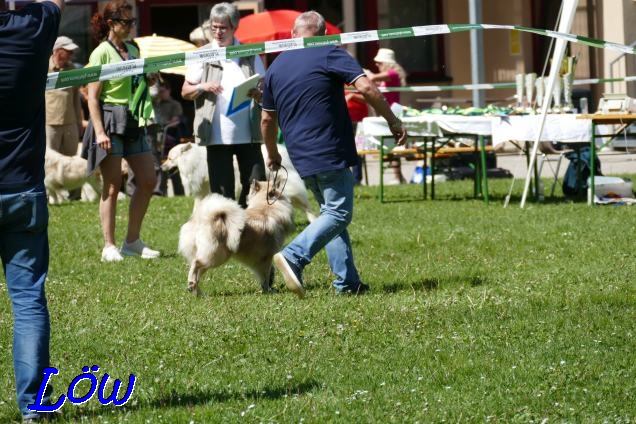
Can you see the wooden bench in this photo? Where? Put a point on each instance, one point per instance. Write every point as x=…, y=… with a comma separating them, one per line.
x=424, y=154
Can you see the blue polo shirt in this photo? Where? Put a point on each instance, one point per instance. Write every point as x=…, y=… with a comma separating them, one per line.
x=26, y=41
x=306, y=89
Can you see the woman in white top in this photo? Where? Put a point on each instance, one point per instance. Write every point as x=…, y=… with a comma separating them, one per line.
x=226, y=132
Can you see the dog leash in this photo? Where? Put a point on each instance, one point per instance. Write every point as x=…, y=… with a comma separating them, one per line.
x=273, y=184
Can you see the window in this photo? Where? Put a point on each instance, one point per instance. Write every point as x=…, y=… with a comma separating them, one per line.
x=421, y=57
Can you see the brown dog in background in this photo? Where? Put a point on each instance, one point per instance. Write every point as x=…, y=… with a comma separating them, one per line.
x=65, y=173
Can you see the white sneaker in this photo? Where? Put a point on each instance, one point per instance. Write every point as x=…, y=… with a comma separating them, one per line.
x=111, y=254
x=291, y=276
x=138, y=248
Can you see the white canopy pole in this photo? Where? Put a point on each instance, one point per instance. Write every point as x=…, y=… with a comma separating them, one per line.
x=567, y=16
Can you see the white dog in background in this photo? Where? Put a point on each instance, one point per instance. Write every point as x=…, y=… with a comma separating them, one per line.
x=190, y=160
x=64, y=173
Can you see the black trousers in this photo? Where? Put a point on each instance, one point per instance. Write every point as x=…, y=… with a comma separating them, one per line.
x=221, y=169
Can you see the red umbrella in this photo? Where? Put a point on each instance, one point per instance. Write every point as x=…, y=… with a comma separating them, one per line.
x=271, y=25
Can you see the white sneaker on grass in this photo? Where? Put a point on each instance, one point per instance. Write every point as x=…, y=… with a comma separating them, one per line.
x=138, y=248
x=291, y=275
x=111, y=254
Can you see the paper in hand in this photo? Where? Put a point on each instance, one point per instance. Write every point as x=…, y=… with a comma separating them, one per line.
x=240, y=98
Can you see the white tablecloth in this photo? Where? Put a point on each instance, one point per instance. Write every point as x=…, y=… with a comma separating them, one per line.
x=558, y=127
x=564, y=128
x=417, y=126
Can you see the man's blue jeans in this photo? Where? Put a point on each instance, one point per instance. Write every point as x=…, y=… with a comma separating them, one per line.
x=334, y=192
x=24, y=250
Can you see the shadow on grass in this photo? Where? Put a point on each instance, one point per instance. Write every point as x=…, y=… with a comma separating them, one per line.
x=427, y=284
x=555, y=200
x=195, y=398
x=203, y=397
x=402, y=200
x=430, y=284
x=476, y=281
x=514, y=199
x=236, y=291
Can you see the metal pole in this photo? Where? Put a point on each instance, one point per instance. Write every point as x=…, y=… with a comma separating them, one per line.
x=567, y=16
x=477, y=52
x=349, y=20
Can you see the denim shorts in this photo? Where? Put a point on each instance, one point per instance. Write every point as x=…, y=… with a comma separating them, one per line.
x=126, y=147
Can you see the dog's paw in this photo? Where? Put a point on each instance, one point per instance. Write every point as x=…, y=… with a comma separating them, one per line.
x=269, y=290
x=194, y=289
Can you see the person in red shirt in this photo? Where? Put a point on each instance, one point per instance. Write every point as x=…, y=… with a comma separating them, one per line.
x=358, y=110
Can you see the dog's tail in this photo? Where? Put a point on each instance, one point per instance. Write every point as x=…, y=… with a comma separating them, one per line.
x=225, y=218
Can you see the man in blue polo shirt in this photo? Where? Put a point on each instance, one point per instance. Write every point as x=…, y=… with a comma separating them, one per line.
x=303, y=93
x=26, y=41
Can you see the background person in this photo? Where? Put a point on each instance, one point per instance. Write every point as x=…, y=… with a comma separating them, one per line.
x=63, y=106
x=210, y=85
x=64, y=114
x=319, y=138
x=390, y=74
x=114, y=132
x=358, y=110
x=26, y=40
x=171, y=127
x=169, y=116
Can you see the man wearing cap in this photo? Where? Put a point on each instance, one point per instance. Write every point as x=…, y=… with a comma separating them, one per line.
x=63, y=106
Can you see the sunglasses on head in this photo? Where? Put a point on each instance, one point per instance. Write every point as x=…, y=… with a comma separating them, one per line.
x=127, y=22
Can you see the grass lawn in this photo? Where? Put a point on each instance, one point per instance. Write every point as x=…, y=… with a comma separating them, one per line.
x=477, y=314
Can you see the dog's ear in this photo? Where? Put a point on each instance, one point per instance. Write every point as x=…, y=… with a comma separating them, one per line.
x=187, y=146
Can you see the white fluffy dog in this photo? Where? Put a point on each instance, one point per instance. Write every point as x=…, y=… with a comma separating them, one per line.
x=190, y=160
x=220, y=229
x=64, y=173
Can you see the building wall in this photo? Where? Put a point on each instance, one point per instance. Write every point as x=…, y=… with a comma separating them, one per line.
x=618, y=24
x=506, y=53
x=629, y=14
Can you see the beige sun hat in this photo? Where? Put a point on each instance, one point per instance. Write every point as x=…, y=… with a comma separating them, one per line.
x=202, y=34
x=385, y=56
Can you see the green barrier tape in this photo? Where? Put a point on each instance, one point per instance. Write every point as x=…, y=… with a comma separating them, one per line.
x=154, y=64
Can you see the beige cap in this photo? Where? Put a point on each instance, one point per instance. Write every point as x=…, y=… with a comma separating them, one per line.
x=385, y=56
x=65, y=43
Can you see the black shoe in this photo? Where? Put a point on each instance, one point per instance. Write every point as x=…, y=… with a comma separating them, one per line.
x=43, y=417
x=362, y=289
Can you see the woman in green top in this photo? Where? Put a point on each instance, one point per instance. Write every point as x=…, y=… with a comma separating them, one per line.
x=116, y=132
